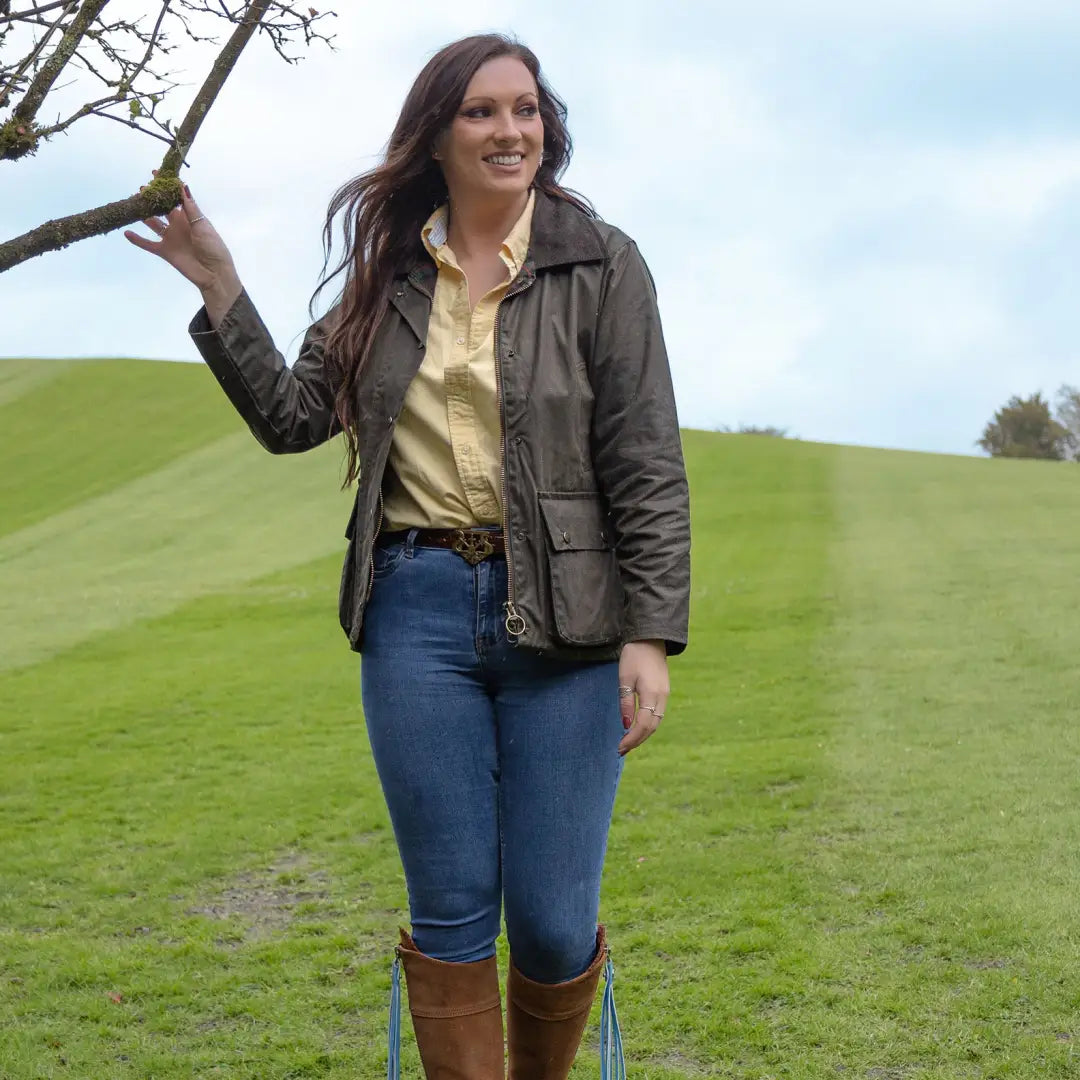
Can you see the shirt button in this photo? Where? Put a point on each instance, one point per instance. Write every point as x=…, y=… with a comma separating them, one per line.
x=461, y=341
x=465, y=449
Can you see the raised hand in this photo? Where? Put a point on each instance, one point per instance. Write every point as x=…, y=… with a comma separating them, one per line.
x=188, y=242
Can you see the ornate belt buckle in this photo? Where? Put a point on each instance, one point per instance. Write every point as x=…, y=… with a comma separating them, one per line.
x=473, y=547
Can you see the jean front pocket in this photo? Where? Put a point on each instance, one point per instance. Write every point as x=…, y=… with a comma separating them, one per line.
x=385, y=559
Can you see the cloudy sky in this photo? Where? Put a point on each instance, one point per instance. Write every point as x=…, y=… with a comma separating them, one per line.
x=863, y=218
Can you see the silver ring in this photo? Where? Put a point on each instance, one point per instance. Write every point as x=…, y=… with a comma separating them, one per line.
x=652, y=709
x=195, y=221
x=626, y=691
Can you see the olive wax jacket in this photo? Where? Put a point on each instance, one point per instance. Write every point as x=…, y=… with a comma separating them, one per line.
x=596, y=505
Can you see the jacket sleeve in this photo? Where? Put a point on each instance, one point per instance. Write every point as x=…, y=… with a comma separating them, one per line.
x=287, y=409
x=637, y=453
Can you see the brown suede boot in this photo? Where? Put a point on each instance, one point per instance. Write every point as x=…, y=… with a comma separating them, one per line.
x=546, y=1020
x=456, y=1014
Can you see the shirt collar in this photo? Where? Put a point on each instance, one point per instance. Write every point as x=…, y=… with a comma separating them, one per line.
x=560, y=235
x=514, y=248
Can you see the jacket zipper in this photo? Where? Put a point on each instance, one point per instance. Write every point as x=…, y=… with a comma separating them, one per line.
x=515, y=623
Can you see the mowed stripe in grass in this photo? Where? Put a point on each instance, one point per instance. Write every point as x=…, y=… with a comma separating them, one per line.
x=107, y=548
x=19, y=376
x=951, y=934
x=76, y=429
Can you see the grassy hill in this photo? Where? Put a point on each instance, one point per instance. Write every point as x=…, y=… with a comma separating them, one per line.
x=850, y=851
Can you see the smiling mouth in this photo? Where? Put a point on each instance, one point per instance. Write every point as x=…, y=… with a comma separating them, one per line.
x=505, y=161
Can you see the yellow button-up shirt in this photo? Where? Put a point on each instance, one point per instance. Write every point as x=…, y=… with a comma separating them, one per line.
x=445, y=454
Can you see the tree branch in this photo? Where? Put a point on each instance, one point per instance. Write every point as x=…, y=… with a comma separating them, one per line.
x=166, y=139
x=34, y=53
x=27, y=108
x=163, y=193
x=211, y=87
x=32, y=13
x=159, y=197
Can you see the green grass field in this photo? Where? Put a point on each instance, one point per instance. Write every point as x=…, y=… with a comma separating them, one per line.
x=850, y=853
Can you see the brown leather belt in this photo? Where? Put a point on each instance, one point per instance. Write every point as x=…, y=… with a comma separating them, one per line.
x=473, y=545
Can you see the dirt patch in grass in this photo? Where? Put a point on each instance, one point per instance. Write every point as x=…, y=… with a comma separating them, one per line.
x=990, y=963
x=265, y=901
x=677, y=1062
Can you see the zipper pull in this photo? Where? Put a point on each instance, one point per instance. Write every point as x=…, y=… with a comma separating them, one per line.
x=515, y=624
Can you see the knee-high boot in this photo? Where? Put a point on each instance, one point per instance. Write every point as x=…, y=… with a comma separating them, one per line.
x=456, y=1013
x=545, y=1021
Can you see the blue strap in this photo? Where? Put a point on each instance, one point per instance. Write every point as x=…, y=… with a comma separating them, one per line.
x=612, y=1063
x=393, y=1049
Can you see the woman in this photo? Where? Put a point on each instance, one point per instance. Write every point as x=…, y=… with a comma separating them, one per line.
x=518, y=560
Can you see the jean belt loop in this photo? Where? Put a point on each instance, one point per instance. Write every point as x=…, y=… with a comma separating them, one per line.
x=410, y=542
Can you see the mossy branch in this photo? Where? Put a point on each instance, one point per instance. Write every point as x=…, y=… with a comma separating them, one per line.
x=158, y=197
x=163, y=193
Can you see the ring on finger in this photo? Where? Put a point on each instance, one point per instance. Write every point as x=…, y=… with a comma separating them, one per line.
x=626, y=691
x=652, y=708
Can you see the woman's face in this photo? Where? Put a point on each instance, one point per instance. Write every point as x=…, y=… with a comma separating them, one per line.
x=492, y=147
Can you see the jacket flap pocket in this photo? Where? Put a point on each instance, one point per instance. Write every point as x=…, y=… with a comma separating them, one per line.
x=576, y=521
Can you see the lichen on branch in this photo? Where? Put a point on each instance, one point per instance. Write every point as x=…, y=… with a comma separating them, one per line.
x=18, y=138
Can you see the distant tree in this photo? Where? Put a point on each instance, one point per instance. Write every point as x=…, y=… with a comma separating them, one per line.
x=1067, y=413
x=115, y=60
x=1025, y=428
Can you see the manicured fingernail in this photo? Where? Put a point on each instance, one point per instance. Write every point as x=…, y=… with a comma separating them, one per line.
x=187, y=191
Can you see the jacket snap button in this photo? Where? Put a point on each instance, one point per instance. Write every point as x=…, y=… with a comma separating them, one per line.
x=565, y=537
x=520, y=534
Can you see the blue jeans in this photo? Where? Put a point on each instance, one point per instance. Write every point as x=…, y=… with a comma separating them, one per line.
x=499, y=765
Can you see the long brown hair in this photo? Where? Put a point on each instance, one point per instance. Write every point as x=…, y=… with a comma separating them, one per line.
x=383, y=210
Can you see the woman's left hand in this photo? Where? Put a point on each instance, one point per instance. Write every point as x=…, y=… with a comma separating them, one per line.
x=643, y=669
